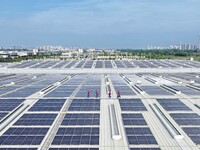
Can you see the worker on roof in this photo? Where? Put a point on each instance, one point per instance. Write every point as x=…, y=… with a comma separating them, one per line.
x=109, y=94
x=97, y=93
x=118, y=94
x=88, y=93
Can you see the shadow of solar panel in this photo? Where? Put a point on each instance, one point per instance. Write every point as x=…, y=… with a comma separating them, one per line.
x=48, y=105
x=173, y=105
x=85, y=105
x=186, y=118
x=133, y=119
x=81, y=119
x=132, y=105
x=36, y=120
x=140, y=136
x=23, y=136
x=193, y=133
x=77, y=136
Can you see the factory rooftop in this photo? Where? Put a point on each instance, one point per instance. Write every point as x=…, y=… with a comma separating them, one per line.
x=100, y=105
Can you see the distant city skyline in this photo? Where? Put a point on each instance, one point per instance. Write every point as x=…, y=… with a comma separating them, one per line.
x=99, y=23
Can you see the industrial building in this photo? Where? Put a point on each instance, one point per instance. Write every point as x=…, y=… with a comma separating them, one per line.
x=65, y=105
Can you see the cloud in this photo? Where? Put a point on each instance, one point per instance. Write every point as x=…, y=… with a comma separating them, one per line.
x=130, y=21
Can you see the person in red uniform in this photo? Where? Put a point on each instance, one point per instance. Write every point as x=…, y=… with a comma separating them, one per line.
x=118, y=94
x=88, y=93
x=109, y=94
x=97, y=93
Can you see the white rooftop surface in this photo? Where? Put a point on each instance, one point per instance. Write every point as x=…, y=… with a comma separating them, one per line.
x=159, y=108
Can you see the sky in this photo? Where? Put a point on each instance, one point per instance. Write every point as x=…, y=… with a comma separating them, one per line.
x=99, y=23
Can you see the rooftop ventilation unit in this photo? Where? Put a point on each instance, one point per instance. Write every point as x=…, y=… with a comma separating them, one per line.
x=171, y=89
x=114, y=124
x=168, y=125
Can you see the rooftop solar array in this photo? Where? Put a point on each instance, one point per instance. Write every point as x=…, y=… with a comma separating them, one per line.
x=79, y=119
x=52, y=111
x=133, y=119
x=107, y=64
x=140, y=136
x=132, y=105
x=48, y=105
x=186, y=118
x=121, y=86
x=173, y=105
x=186, y=90
x=36, y=119
x=155, y=90
x=85, y=105
x=23, y=136
x=77, y=136
x=193, y=133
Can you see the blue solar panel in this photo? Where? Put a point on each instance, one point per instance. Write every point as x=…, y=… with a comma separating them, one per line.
x=81, y=119
x=155, y=90
x=144, y=148
x=77, y=136
x=18, y=148
x=132, y=105
x=36, y=120
x=9, y=104
x=23, y=136
x=85, y=105
x=2, y=115
x=48, y=105
x=140, y=136
x=186, y=118
x=73, y=149
x=193, y=133
x=62, y=91
x=173, y=105
x=133, y=119
x=124, y=90
x=84, y=89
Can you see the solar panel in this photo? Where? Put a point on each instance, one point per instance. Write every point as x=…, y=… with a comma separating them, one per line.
x=85, y=105
x=186, y=118
x=2, y=115
x=73, y=149
x=193, y=133
x=144, y=148
x=9, y=104
x=133, y=119
x=132, y=105
x=173, y=105
x=36, y=120
x=48, y=105
x=81, y=119
x=84, y=89
x=62, y=91
x=77, y=136
x=137, y=136
x=187, y=90
x=18, y=148
x=124, y=90
x=23, y=136
x=155, y=90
